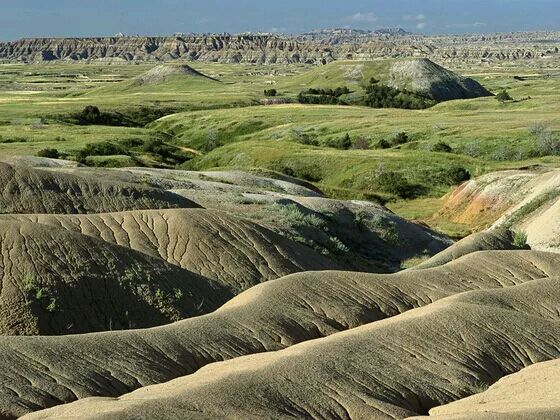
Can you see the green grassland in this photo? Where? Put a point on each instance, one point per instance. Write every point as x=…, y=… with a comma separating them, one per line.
x=224, y=124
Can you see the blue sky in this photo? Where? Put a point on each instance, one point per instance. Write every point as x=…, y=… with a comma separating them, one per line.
x=31, y=18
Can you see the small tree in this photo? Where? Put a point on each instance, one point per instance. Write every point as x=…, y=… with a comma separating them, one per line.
x=346, y=142
x=504, y=96
x=441, y=147
x=49, y=153
x=270, y=92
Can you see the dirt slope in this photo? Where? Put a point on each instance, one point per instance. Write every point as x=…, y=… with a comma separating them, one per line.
x=268, y=317
x=236, y=253
x=498, y=239
x=54, y=281
x=426, y=77
x=526, y=201
x=29, y=190
x=356, y=235
x=160, y=73
x=532, y=393
x=385, y=370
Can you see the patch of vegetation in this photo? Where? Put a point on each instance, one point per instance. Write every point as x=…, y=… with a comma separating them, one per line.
x=451, y=176
x=131, y=117
x=337, y=246
x=396, y=183
x=441, y=147
x=342, y=143
x=270, y=92
x=303, y=98
x=529, y=208
x=130, y=150
x=38, y=293
x=49, y=153
x=383, y=96
x=294, y=215
x=520, y=239
x=300, y=136
x=503, y=96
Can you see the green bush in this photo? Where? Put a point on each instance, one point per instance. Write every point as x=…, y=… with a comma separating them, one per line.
x=383, y=144
x=270, y=92
x=441, y=147
x=520, y=239
x=300, y=136
x=294, y=215
x=453, y=175
x=400, y=138
x=397, y=184
x=49, y=153
x=383, y=96
x=343, y=143
x=504, y=96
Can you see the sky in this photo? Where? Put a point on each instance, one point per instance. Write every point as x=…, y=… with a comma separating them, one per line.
x=76, y=18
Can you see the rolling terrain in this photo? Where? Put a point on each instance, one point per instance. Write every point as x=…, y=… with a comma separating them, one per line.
x=335, y=225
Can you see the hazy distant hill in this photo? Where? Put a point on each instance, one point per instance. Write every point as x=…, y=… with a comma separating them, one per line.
x=313, y=48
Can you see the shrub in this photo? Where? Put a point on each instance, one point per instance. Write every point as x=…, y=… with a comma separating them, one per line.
x=520, y=239
x=503, y=96
x=337, y=246
x=294, y=215
x=441, y=147
x=395, y=183
x=302, y=137
x=270, y=92
x=383, y=144
x=342, y=143
x=548, y=144
x=454, y=175
x=383, y=96
x=49, y=153
x=538, y=128
x=211, y=142
x=399, y=138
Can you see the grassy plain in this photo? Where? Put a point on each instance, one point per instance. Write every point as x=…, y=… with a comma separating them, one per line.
x=484, y=134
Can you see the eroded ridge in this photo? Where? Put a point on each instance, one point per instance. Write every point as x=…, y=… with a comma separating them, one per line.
x=268, y=317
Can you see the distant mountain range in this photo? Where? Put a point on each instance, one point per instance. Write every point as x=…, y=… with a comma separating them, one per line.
x=316, y=47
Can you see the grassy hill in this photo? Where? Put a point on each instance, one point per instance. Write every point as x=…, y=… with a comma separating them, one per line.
x=416, y=75
x=162, y=79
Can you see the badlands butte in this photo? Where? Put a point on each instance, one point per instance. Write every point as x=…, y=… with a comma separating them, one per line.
x=313, y=48
x=335, y=225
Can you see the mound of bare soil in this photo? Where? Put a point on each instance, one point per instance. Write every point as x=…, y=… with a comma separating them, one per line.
x=386, y=370
x=426, y=77
x=442, y=341
x=58, y=282
x=234, y=252
x=30, y=190
x=161, y=73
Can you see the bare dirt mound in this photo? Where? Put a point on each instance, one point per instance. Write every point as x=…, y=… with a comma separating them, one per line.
x=161, y=73
x=236, y=253
x=58, y=282
x=269, y=317
x=424, y=76
x=28, y=190
x=532, y=393
x=527, y=201
x=389, y=369
x=356, y=235
x=498, y=239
